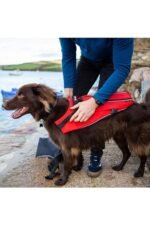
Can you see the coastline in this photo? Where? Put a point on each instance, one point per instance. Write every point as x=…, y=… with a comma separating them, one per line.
x=21, y=168
x=54, y=66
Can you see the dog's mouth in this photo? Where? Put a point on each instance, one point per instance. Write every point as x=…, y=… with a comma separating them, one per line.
x=20, y=112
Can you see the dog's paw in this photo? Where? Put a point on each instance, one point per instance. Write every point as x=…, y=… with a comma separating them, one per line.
x=138, y=174
x=51, y=176
x=77, y=168
x=117, y=167
x=60, y=182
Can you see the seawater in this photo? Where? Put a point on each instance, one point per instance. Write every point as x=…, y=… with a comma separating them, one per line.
x=7, y=82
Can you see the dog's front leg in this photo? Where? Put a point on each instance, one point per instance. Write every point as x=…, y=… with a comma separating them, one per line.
x=66, y=168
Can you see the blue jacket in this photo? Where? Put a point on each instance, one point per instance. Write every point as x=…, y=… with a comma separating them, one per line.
x=116, y=50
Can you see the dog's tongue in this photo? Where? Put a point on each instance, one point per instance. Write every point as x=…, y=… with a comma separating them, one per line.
x=19, y=112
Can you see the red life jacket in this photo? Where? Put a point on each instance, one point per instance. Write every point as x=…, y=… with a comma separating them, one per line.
x=118, y=102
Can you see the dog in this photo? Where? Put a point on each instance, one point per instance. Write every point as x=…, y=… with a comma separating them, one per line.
x=130, y=128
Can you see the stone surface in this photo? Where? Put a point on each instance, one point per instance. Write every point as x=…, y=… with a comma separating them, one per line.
x=141, y=55
x=20, y=168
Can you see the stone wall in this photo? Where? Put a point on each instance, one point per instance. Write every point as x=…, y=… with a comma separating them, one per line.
x=141, y=55
x=141, y=58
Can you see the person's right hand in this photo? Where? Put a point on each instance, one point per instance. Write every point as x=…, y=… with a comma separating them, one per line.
x=68, y=92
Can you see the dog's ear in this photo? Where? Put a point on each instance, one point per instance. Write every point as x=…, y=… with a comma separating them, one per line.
x=43, y=91
x=35, y=90
x=29, y=91
x=45, y=95
x=46, y=105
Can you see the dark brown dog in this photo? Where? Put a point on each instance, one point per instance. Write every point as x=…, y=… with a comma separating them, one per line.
x=129, y=128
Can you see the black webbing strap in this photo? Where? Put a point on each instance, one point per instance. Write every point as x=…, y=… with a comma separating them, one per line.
x=75, y=101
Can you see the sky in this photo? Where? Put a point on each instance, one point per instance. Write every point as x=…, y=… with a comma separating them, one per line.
x=20, y=50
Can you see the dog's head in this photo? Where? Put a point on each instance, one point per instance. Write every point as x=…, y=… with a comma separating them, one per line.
x=36, y=99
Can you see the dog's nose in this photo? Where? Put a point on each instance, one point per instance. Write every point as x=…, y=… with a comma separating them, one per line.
x=4, y=105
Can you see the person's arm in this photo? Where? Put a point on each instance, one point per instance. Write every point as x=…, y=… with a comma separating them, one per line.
x=122, y=55
x=68, y=48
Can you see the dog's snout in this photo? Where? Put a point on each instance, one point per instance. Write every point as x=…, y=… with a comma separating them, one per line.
x=4, y=104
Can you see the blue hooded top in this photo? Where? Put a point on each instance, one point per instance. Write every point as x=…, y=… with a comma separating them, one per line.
x=116, y=50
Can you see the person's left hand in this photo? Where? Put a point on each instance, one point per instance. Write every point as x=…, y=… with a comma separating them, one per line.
x=85, y=110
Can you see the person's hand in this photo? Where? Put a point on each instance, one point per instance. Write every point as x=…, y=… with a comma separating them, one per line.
x=85, y=110
x=68, y=92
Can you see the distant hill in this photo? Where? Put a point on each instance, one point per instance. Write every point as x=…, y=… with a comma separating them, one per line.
x=34, y=66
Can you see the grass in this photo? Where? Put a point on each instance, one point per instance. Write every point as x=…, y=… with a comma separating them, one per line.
x=34, y=66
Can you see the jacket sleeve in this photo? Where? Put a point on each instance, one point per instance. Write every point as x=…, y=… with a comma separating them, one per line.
x=68, y=49
x=122, y=55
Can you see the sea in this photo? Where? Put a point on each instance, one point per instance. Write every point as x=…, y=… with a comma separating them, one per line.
x=9, y=80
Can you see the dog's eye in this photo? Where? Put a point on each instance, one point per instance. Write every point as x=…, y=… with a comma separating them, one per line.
x=20, y=95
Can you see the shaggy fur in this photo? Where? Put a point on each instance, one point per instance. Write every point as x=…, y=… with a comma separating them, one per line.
x=130, y=128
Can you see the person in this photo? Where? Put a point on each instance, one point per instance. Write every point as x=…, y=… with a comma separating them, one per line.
x=107, y=58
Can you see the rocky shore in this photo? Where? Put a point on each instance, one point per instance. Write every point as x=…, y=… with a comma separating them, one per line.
x=141, y=55
x=20, y=168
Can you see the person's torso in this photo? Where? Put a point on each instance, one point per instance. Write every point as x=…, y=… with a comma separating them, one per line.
x=95, y=49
